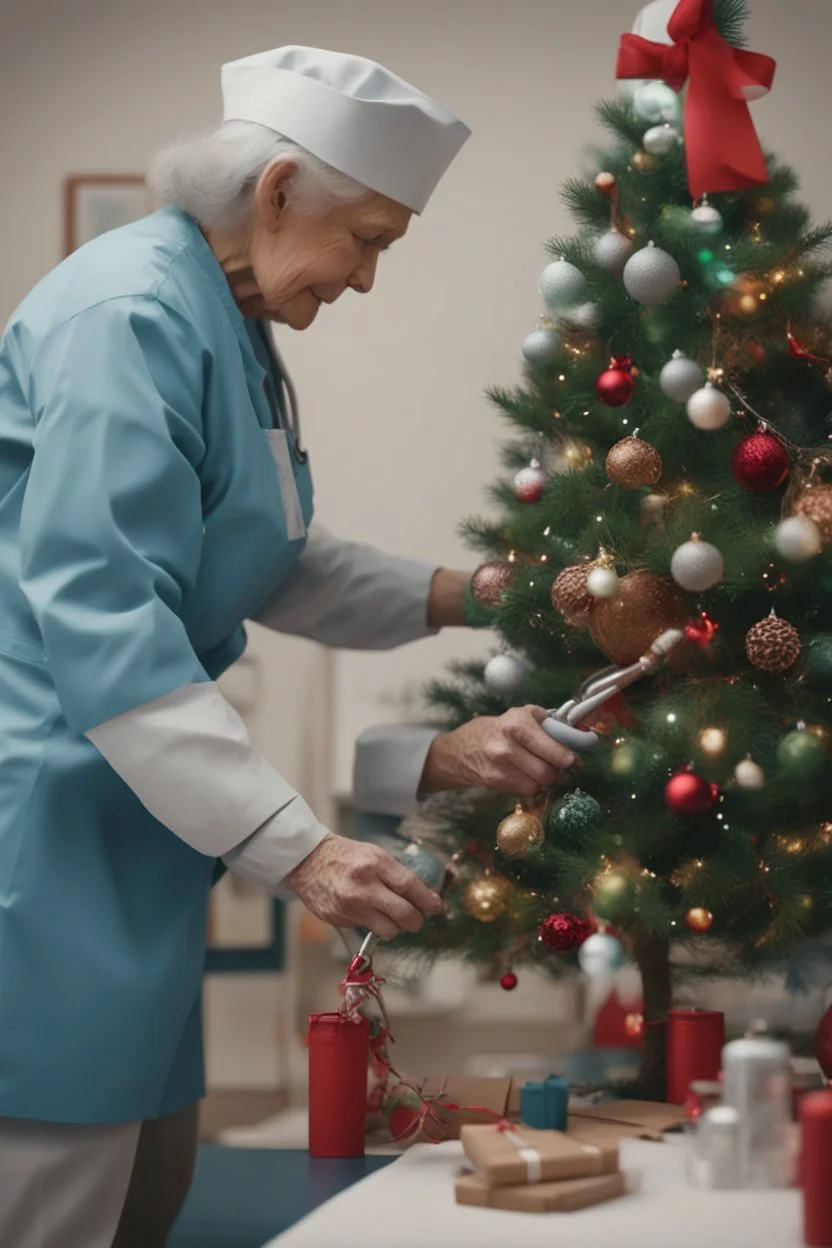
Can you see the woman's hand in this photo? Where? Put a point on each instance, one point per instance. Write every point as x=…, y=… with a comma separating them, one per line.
x=510, y=753
x=352, y=884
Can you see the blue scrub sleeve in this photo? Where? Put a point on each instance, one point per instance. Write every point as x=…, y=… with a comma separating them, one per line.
x=111, y=525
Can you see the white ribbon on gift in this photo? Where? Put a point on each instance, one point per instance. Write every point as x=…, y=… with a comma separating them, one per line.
x=534, y=1161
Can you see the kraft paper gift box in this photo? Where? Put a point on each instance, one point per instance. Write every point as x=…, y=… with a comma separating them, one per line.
x=514, y=1155
x=494, y=1099
x=563, y=1197
x=643, y=1120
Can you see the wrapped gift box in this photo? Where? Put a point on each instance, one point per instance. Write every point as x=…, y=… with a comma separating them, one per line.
x=563, y=1197
x=544, y=1105
x=507, y=1157
x=493, y=1099
x=643, y=1120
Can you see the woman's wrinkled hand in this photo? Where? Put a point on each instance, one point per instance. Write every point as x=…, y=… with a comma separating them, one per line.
x=352, y=884
x=510, y=753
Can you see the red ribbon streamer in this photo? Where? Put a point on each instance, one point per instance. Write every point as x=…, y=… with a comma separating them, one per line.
x=723, y=150
x=801, y=353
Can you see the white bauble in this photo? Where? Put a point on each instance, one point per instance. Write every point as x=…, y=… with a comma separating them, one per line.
x=611, y=251
x=600, y=954
x=602, y=583
x=697, y=566
x=562, y=285
x=706, y=219
x=651, y=276
x=798, y=539
x=541, y=347
x=505, y=673
x=659, y=140
x=749, y=775
x=681, y=377
x=655, y=101
x=585, y=316
x=709, y=408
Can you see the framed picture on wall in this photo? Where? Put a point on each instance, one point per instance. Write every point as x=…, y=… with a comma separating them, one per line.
x=97, y=202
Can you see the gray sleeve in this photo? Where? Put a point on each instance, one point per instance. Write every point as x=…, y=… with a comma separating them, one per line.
x=389, y=760
x=352, y=596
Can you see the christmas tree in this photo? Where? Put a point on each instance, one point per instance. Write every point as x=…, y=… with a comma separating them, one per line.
x=669, y=475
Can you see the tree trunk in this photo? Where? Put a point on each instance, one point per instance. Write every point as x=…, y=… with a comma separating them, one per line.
x=653, y=959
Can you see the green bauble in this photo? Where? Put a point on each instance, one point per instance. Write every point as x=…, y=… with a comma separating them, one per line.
x=577, y=815
x=801, y=754
x=819, y=660
x=613, y=896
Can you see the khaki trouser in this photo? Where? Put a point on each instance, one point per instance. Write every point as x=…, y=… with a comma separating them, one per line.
x=68, y=1186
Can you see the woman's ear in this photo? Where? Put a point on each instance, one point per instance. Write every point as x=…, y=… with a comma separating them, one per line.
x=272, y=193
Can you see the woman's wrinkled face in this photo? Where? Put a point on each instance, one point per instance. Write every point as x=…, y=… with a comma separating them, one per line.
x=297, y=261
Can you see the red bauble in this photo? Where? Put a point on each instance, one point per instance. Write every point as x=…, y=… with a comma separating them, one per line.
x=530, y=483
x=701, y=631
x=509, y=981
x=823, y=1043
x=564, y=932
x=615, y=386
x=688, y=794
x=760, y=462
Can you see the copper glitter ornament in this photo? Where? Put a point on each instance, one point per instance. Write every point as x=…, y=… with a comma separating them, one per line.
x=633, y=463
x=643, y=161
x=699, y=920
x=490, y=582
x=815, y=502
x=518, y=833
x=570, y=595
x=487, y=898
x=773, y=645
x=646, y=605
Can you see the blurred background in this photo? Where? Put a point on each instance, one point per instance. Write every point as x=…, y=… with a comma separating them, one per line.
x=401, y=437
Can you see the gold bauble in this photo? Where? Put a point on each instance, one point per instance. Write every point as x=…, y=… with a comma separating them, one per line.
x=699, y=920
x=487, y=898
x=815, y=502
x=773, y=645
x=625, y=627
x=643, y=161
x=570, y=595
x=518, y=833
x=490, y=582
x=634, y=463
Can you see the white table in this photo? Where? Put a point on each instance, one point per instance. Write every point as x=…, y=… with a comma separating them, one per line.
x=410, y=1204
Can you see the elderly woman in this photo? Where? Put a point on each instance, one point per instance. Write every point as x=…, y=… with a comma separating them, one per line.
x=156, y=494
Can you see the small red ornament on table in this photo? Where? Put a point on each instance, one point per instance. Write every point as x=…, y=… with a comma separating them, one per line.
x=686, y=793
x=760, y=462
x=615, y=386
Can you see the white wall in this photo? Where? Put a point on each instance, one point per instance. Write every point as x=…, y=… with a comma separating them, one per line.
x=392, y=385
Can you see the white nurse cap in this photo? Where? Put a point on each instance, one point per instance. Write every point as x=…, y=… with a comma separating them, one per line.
x=355, y=115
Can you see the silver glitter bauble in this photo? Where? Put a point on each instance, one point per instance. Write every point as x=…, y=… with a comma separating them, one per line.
x=600, y=954
x=798, y=539
x=651, y=276
x=541, y=347
x=706, y=219
x=749, y=775
x=562, y=285
x=611, y=251
x=659, y=140
x=681, y=377
x=602, y=582
x=655, y=101
x=585, y=316
x=697, y=566
x=505, y=673
x=709, y=408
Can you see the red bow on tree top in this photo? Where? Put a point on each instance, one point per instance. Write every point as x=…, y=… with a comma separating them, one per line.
x=723, y=150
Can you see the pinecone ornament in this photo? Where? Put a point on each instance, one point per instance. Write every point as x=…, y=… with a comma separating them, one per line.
x=570, y=595
x=773, y=645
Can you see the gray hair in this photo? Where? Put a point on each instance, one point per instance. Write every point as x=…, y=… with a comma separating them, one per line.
x=213, y=177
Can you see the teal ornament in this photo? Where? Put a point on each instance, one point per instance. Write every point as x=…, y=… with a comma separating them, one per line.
x=656, y=102
x=819, y=660
x=541, y=347
x=543, y=1106
x=600, y=954
x=577, y=816
x=425, y=863
x=802, y=754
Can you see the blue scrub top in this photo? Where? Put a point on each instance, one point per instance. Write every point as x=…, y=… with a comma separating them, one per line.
x=141, y=522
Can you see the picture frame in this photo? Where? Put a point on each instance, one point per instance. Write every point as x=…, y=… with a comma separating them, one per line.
x=97, y=202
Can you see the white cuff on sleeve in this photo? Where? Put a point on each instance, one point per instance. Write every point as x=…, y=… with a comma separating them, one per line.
x=188, y=759
x=389, y=761
x=266, y=858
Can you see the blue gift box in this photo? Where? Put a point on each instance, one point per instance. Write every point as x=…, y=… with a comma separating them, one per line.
x=544, y=1105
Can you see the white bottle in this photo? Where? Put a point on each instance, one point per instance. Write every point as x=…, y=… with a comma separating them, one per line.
x=757, y=1083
